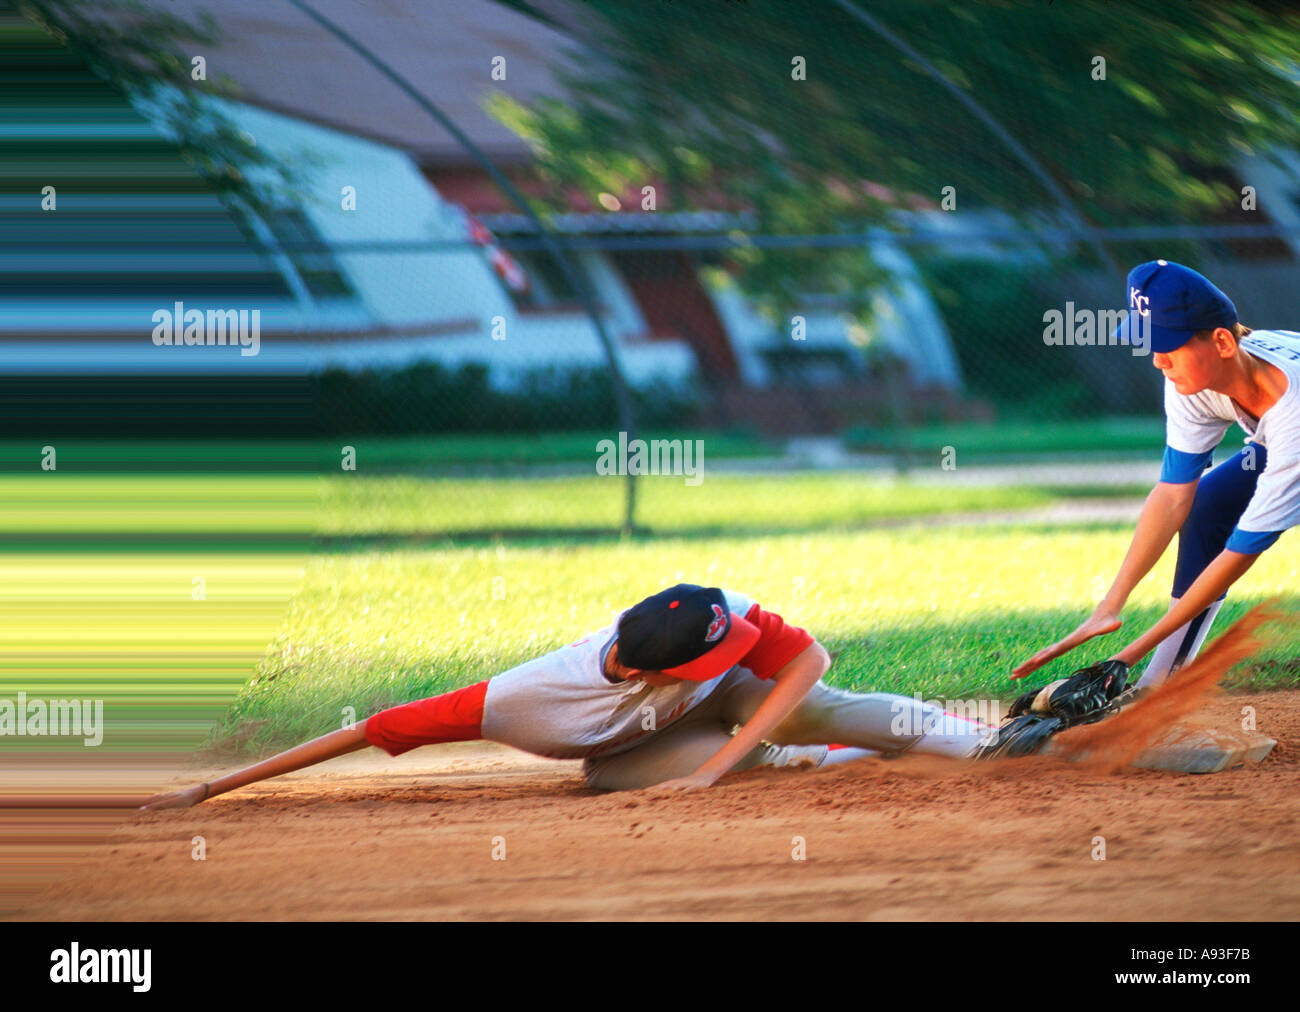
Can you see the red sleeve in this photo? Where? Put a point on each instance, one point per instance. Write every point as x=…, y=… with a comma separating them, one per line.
x=778, y=643
x=453, y=716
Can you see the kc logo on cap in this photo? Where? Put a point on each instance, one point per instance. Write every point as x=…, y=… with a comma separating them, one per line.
x=1174, y=303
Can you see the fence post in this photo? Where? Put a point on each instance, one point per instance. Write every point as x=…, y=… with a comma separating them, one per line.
x=572, y=271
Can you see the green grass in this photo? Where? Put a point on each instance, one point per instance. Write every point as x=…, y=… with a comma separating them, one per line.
x=429, y=454
x=128, y=629
x=59, y=511
x=402, y=507
x=107, y=507
x=423, y=454
x=97, y=586
x=155, y=594
x=98, y=570
x=1104, y=436
x=944, y=612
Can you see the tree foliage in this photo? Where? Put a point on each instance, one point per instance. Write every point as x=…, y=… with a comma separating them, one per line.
x=701, y=97
x=146, y=54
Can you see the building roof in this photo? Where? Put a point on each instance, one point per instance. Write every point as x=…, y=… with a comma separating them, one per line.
x=282, y=60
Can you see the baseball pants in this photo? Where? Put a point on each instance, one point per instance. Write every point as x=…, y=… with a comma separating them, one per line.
x=882, y=722
x=1221, y=498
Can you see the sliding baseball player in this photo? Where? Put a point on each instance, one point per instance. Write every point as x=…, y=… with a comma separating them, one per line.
x=686, y=686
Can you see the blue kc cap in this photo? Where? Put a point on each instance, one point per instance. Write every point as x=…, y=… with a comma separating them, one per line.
x=1170, y=303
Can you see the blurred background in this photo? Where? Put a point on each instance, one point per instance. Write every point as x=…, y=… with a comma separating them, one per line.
x=470, y=240
x=824, y=238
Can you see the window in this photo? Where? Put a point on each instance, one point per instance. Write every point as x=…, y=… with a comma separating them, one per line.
x=548, y=285
x=305, y=257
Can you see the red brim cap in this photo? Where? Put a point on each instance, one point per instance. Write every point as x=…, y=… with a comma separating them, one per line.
x=725, y=655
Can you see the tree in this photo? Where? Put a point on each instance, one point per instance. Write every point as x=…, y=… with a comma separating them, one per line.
x=143, y=53
x=710, y=100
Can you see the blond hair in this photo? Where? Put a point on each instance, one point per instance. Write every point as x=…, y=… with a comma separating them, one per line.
x=1239, y=330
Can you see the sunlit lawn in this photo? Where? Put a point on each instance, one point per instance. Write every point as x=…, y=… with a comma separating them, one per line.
x=161, y=593
x=943, y=612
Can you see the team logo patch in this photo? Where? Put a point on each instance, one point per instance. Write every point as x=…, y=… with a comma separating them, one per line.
x=718, y=626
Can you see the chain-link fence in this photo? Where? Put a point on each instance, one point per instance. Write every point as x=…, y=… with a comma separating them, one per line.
x=349, y=351
x=874, y=233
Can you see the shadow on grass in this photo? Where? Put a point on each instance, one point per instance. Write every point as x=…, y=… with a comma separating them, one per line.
x=544, y=537
x=44, y=542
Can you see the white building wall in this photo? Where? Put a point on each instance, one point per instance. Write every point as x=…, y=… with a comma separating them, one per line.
x=457, y=287
x=906, y=321
x=1277, y=188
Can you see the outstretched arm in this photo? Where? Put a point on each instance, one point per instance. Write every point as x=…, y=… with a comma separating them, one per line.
x=452, y=716
x=327, y=746
x=1225, y=570
x=1162, y=517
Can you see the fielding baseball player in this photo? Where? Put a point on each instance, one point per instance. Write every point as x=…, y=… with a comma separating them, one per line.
x=682, y=688
x=1216, y=372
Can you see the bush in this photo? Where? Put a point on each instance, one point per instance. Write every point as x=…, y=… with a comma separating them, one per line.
x=430, y=397
x=426, y=397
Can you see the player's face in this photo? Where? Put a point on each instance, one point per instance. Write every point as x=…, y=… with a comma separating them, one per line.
x=655, y=678
x=1194, y=367
x=618, y=670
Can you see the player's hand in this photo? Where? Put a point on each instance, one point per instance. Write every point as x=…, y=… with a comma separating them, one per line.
x=1103, y=620
x=694, y=782
x=177, y=799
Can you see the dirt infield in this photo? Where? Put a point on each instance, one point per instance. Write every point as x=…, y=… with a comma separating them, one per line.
x=371, y=837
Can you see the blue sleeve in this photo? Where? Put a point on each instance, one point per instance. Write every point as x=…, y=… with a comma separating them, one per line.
x=1179, y=467
x=1250, y=542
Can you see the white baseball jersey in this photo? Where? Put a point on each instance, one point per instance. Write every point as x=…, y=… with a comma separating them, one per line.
x=562, y=705
x=1196, y=423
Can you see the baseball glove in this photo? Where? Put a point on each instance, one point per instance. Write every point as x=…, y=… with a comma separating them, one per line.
x=1086, y=696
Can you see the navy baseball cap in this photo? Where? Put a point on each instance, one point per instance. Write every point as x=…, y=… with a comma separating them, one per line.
x=1172, y=302
x=685, y=631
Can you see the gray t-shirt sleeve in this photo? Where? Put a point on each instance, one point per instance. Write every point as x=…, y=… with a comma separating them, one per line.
x=1194, y=424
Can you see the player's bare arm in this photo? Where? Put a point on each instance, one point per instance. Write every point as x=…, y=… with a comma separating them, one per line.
x=327, y=746
x=792, y=685
x=1164, y=512
x=1217, y=372
x=1212, y=584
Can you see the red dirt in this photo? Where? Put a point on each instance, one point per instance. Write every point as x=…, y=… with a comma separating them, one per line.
x=371, y=837
x=1113, y=743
